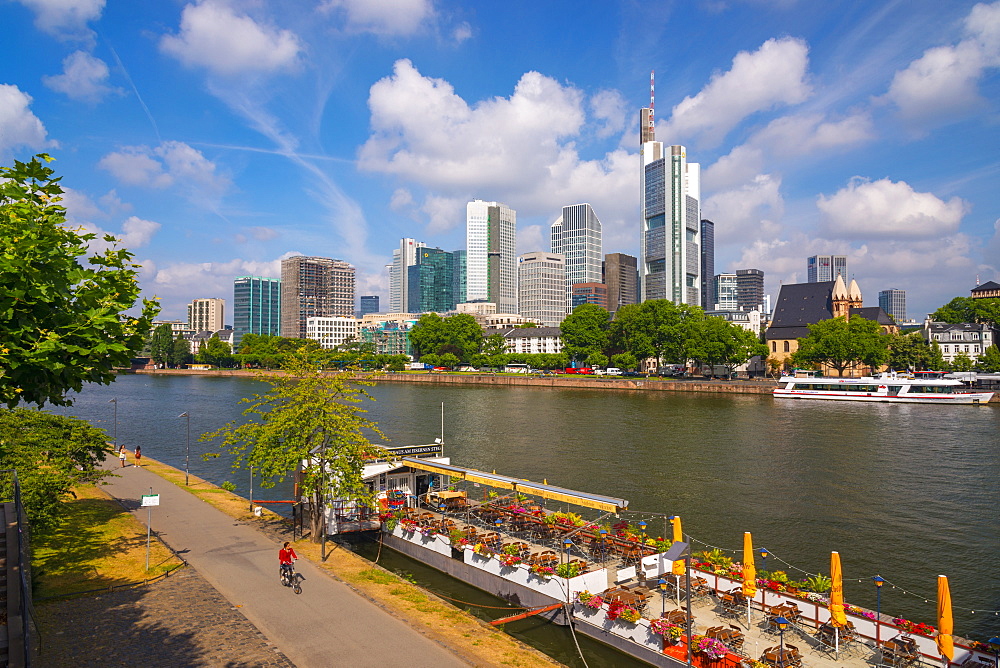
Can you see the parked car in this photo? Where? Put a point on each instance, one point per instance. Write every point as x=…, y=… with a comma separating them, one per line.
x=672, y=370
x=600, y=372
x=613, y=371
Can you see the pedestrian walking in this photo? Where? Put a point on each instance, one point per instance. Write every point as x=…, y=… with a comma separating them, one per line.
x=121, y=456
x=138, y=455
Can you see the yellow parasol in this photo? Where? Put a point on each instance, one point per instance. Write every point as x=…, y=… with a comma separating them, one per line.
x=945, y=623
x=837, y=617
x=678, y=567
x=749, y=569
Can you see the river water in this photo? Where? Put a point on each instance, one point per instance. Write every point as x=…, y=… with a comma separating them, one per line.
x=904, y=491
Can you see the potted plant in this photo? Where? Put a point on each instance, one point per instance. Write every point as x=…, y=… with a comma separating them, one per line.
x=668, y=630
x=710, y=647
x=543, y=572
x=568, y=570
x=629, y=614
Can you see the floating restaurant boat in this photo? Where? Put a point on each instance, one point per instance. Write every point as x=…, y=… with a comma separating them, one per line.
x=642, y=596
x=891, y=388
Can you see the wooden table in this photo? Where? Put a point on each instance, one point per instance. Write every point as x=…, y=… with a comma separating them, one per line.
x=678, y=617
x=775, y=657
x=727, y=635
x=900, y=651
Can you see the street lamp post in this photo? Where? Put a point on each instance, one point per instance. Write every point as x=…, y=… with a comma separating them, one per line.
x=995, y=646
x=663, y=596
x=879, y=581
x=187, y=448
x=604, y=537
x=782, y=625
x=679, y=550
x=763, y=574
x=115, y=428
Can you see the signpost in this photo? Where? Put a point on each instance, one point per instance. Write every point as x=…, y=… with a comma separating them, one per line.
x=148, y=501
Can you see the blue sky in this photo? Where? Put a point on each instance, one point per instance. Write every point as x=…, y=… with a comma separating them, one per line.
x=217, y=137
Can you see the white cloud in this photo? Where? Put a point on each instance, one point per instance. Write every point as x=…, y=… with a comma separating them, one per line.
x=137, y=232
x=385, y=17
x=443, y=213
x=518, y=149
x=66, y=19
x=18, y=125
x=748, y=212
x=738, y=167
x=178, y=283
x=609, y=108
x=531, y=238
x=462, y=32
x=873, y=209
x=773, y=75
x=172, y=163
x=84, y=78
x=944, y=82
x=402, y=199
x=811, y=133
x=262, y=233
x=215, y=37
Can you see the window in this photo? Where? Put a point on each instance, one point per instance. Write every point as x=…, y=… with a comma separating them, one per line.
x=774, y=346
x=786, y=346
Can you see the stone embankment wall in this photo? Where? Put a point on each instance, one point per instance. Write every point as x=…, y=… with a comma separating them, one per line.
x=511, y=380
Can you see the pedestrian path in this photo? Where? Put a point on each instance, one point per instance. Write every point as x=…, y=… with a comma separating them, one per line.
x=327, y=625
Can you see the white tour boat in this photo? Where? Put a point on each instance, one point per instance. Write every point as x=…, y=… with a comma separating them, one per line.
x=891, y=387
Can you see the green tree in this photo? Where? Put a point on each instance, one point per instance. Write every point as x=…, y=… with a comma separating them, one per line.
x=180, y=354
x=624, y=361
x=458, y=334
x=64, y=321
x=312, y=422
x=967, y=309
x=718, y=342
x=161, y=344
x=912, y=351
x=215, y=352
x=494, y=344
x=449, y=360
x=839, y=343
x=632, y=332
x=961, y=362
x=989, y=361
x=51, y=454
x=585, y=331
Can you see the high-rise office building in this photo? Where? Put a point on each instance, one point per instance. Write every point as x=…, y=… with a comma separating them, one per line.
x=368, y=304
x=590, y=293
x=431, y=282
x=576, y=235
x=893, y=302
x=542, y=287
x=314, y=286
x=707, y=264
x=750, y=290
x=207, y=315
x=402, y=258
x=621, y=274
x=823, y=268
x=491, y=263
x=725, y=293
x=458, y=274
x=670, y=239
x=256, y=306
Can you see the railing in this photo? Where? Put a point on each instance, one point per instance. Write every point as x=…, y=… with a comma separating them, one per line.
x=10, y=492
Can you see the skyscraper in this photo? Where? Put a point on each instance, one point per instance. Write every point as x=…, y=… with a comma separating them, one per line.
x=207, y=315
x=491, y=263
x=542, y=287
x=256, y=306
x=725, y=293
x=669, y=244
x=369, y=304
x=893, y=302
x=620, y=273
x=431, y=282
x=402, y=258
x=576, y=235
x=459, y=272
x=314, y=286
x=707, y=264
x=750, y=290
x=823, y=268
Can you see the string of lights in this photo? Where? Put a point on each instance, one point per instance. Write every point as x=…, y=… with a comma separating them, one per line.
x=925, y=599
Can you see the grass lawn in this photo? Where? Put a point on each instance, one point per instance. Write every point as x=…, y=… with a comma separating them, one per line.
x=97, y=545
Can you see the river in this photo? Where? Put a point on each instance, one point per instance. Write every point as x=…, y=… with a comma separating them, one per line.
x=904, y=491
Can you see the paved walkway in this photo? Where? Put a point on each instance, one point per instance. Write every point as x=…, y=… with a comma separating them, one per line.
x=327, y=625
x=177, y=621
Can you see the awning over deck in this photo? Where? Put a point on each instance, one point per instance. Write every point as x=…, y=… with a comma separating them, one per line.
x=606, y=503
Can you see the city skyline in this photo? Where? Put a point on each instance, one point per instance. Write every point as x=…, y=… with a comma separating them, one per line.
x=216, y=139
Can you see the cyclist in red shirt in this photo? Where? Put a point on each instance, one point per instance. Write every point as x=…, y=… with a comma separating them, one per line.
x=286, y=555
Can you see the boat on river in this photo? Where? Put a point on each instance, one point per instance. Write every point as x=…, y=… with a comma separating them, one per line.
x=889, y=387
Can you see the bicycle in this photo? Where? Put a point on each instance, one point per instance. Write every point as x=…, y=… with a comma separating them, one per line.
x=289, y=578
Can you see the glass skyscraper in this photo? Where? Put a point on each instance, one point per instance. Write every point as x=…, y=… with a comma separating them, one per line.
x=491, y=262
x=430, y=284
x=707, y=264
x=893, y=302
x=256, y=306
x=670, y=239
x=823, y=268
x=576, y=235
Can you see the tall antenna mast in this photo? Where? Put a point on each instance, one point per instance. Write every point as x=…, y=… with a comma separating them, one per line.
x=652, y=103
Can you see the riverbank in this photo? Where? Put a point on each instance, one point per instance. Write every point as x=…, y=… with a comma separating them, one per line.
x=447, y=625
x=525, y=380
